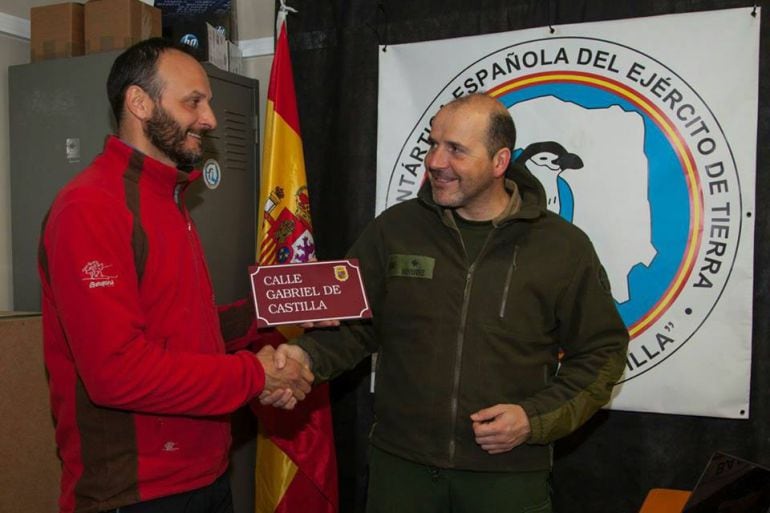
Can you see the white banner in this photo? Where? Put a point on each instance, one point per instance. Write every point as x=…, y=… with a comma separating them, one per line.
x=658, y=118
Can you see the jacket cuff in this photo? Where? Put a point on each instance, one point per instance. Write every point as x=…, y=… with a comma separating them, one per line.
x=309, y=345
x=250, y=358
x=536, y=436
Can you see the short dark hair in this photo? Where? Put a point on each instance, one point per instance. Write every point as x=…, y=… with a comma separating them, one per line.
x=501, y=132
x=138, y=65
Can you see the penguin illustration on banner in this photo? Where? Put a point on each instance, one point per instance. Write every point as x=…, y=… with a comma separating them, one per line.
x=546, y=161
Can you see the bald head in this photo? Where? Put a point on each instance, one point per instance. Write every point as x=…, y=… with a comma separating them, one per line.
x=501, y=132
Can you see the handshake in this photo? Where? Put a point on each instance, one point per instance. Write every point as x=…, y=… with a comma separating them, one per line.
x=287, y=375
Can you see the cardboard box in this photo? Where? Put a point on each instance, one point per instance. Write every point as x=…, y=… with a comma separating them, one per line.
x=206, y=43
x=56, y=31
x=117, y=24
x=29, y=475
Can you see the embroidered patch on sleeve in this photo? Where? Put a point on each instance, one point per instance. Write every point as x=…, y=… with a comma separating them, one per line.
x=94, y=273
x=411, y=266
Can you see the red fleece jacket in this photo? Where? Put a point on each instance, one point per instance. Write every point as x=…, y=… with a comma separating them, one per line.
x=141, y=387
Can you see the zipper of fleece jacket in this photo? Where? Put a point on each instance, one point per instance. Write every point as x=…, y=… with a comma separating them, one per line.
x=458, y=359
x=464, y=320
x=461, y=336
x=197, y=250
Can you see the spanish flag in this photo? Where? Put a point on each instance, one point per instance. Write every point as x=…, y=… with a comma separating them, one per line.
x=296, y=465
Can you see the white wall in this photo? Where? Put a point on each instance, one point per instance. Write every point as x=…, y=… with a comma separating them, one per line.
x=255, y=22
x=12, y=51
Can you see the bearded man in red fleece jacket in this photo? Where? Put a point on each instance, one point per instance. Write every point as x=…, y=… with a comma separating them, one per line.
x=141, y=387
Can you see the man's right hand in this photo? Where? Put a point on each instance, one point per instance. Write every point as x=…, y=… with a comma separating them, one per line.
x=284, y=384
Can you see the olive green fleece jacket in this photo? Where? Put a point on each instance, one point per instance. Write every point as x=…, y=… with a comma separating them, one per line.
x=455, y=336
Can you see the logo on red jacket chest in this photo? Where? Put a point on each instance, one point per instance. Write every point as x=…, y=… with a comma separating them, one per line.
x=94, y=273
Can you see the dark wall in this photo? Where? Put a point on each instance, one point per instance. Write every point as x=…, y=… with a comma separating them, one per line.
x=611, y=463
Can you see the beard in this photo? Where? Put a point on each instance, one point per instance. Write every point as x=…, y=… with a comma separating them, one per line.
x=169, y=137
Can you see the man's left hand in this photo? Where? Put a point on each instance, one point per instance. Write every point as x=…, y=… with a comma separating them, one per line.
x=280, y=398
x=500, y=428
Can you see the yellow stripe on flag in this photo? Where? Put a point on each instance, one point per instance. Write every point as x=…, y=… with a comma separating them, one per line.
x=283, y=165
x=275, y=471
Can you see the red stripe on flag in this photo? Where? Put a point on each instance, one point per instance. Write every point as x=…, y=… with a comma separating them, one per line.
x=281, y=87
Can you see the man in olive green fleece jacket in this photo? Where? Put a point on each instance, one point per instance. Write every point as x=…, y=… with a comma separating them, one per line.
x=476, y=289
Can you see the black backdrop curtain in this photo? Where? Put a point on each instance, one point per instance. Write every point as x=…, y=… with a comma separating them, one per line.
x=611, y=463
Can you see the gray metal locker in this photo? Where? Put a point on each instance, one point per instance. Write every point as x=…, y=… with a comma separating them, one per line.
x=59, y=118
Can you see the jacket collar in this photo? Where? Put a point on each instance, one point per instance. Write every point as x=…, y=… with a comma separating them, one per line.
x=160, y=176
